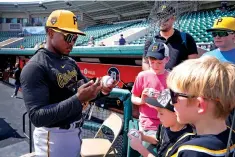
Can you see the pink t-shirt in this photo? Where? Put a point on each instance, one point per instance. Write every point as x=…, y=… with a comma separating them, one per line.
x=148, y=79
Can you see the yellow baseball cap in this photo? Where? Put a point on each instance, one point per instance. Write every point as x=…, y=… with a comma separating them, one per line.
x=224, y=23
x=64, y=20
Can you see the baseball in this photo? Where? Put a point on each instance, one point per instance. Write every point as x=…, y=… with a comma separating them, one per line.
x=151, y=92
x=107, y=81
x=135, y=133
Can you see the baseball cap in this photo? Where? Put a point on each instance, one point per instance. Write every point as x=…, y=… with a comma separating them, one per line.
x=165, y=11
x=164, y=100
x=64, y=20
x=158, y=50
x=223, y=23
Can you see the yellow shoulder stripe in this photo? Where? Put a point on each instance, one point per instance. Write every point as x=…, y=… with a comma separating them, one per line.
x=204, y=150
x=230, y=128
x=185, y=135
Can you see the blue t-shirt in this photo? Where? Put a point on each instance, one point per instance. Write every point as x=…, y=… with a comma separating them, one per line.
x=223, y=56
x=122, y=41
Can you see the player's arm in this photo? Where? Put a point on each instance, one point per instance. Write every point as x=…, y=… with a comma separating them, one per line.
x=191, y=47
x=35, y=91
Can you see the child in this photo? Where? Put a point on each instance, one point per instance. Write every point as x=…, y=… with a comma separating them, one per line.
x=170, y=134
x=204, y=96
x=155, y=79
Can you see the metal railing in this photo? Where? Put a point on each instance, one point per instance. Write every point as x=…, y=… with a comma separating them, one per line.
x=30, y=132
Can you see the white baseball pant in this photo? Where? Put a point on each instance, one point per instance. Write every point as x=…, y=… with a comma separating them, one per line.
x=55, y=142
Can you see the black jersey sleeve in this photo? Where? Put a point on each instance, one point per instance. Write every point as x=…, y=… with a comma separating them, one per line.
x=35, y=91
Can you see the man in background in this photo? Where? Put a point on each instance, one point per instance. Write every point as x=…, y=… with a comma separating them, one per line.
x=182, y=45
x=16, y=76
x=223, y=34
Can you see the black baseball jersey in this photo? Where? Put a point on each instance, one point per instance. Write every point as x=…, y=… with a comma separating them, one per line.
x=49, y=85
x=207, y=146
x=170, y=141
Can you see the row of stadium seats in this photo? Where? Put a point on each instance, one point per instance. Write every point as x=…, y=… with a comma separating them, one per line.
x=195, y=23
x=104, y=31
x=8, y=34
x=98, y=32
x=29, y=41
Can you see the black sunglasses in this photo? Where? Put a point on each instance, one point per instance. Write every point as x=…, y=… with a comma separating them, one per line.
x=221, y=33
x=175, y=95
x=68, y=37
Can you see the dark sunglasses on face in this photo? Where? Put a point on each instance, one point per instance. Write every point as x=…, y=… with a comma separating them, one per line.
x=68, y=37
x=221, y=33
x=175, y=95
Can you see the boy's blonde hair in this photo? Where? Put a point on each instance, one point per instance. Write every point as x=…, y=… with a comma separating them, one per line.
x=209, y=78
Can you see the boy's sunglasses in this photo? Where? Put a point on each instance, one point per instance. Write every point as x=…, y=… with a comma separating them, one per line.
x=68, y=37
x=175, y=95
x=221, y=33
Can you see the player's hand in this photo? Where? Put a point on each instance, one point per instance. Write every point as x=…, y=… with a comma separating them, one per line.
x=89, y=90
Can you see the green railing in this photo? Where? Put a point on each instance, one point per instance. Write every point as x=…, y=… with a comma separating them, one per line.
x=93, y=126
x=104, y=51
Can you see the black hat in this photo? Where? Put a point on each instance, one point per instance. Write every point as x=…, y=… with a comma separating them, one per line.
x=158, y=50
x=164, y=100
x=165, y=11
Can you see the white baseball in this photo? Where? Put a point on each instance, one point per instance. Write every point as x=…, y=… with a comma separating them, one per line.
x=107, y=81
x=151, y=92
x=135, y=133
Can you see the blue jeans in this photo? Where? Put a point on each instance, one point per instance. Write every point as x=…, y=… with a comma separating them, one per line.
x=17, y=87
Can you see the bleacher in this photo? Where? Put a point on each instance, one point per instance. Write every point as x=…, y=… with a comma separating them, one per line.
x=29, y=41
x=195, y=23
x=98, y=32
x=104, y=31
x=8, y=34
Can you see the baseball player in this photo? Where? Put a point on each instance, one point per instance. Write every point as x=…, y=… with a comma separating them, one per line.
x=54, y=90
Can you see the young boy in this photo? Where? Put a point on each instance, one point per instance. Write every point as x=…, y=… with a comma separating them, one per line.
x=154, y=79
x=204, y=96
x=170, y=134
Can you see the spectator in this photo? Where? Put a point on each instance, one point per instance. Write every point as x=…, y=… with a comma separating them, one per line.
x=182, y=45
x=102, y=44
x=122, y=41
x=204, y=97
x=170, y=134
x=153, y=81
x=16, y=76
x=223, y=32
x=91, y=41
